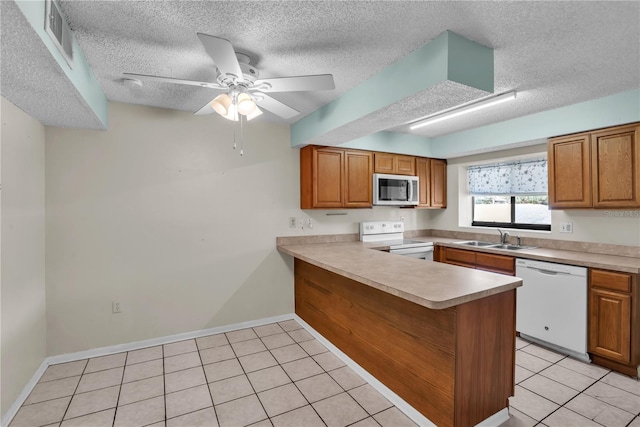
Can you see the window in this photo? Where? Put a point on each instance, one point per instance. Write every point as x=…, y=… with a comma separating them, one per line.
x=510, y=195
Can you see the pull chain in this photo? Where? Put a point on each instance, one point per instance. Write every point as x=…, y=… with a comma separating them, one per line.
x=241, y=135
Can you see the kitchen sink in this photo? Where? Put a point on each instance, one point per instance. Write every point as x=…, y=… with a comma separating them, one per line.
x=476, y=243
x=509, y=247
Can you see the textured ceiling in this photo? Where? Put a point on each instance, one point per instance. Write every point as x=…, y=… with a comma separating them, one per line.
x=553, y=53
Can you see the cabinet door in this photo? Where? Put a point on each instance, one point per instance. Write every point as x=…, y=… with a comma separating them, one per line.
x=358, y=179
x=405, y=165
x=438, y=183
x=496, y=263
x=459, y=257
x=424, y=182
x=327, y=178
x=615, y=162
x=569, y=172
x=610, y=324
x=384, y=163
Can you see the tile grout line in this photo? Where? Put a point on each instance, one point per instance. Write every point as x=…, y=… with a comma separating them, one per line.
x=74, y=391
x=579, y=392
x=115, y=413
x=294, y=383
x=327, y=372
x=164, y=385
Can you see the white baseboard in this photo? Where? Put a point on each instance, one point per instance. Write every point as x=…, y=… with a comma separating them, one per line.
x=400, y=403
x=410, y=411
x=26, y=391
x=119, y=348
x=496, y=419
x=493, y=421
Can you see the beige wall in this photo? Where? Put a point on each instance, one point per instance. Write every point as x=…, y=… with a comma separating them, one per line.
x=22, y=289
x=602, y=226
x=162, y=215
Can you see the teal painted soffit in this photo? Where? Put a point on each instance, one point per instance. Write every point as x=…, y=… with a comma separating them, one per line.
x=392, y=142
x=447, y=58
x=598, y=113
x=81, y=75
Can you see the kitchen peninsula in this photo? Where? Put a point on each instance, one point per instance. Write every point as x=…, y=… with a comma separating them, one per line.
x=441, y=337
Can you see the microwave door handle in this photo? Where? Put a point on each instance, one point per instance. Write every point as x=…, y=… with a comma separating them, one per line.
x=410, y=190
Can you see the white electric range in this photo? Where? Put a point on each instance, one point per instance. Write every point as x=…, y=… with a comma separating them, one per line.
x=391, y=233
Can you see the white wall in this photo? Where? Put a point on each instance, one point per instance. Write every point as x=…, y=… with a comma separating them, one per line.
x=22, y=289
x=599, y=226
x=162, y=215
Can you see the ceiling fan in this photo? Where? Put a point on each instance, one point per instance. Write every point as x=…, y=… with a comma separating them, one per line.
x=243, y=90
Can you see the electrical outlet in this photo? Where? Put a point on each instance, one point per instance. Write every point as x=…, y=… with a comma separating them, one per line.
x=402, y=218
x=300, y=223
x=309, y=223
x=566, y=227
x=115, y=307
x=293, y=222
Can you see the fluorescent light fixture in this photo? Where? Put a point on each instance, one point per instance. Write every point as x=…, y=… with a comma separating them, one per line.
x=509, y=96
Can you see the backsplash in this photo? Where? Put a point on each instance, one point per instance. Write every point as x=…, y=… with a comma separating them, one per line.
x=566, y=245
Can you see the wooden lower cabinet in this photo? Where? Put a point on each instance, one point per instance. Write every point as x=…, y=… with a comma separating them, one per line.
x=455, y=366
x=613, y=320
x=480, y=260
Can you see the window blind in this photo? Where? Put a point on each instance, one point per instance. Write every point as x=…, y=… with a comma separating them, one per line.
x=519, y=178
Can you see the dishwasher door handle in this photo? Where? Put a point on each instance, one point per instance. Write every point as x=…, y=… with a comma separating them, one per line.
x=548, y=272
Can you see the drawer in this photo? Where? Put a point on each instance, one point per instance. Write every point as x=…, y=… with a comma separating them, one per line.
x=460, y=257
x=496, y=263
x=610, y=280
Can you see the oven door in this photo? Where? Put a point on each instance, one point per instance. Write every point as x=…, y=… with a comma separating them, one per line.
x=425, y=252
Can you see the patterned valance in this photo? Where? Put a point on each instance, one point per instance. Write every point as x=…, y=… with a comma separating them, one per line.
x=518, y=178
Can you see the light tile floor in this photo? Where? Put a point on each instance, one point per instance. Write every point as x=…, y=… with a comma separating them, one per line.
x=279, y=375
x=554, y=390
x=271, y=375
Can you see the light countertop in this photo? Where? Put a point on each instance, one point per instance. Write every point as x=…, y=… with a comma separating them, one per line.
x=430, y=284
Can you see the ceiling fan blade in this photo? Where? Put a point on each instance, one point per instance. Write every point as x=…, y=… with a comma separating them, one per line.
x=297, y=83
x=223, y=55
x=275, y=106
x=172, y=80
x=207, y=109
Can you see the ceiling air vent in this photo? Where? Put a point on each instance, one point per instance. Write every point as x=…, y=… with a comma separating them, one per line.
x=58, y=29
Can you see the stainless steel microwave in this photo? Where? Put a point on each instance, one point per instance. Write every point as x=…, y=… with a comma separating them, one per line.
x=395, y=190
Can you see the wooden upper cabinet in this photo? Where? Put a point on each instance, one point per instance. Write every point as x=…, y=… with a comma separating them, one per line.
x=328, y=178
x=358, y=181
x=432, y=182
x=335, y=178
x=423, y=171
x=569, y=172
x=384, y=163
x=438, y=185
x=394, y=164
x=615, y=164
x=405, y=165
x=599, y=169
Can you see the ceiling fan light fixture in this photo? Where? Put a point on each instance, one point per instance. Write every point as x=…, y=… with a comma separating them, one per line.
x=256, y=112
x=221, y=104
x=246, y=105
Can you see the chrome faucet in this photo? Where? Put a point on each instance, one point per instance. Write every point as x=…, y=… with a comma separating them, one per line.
x=518, y=241
x=503, y=236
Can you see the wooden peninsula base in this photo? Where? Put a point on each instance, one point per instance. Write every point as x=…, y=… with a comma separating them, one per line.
x=455, y=366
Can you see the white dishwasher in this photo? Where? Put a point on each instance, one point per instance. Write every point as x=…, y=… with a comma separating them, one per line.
x=551, y=306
